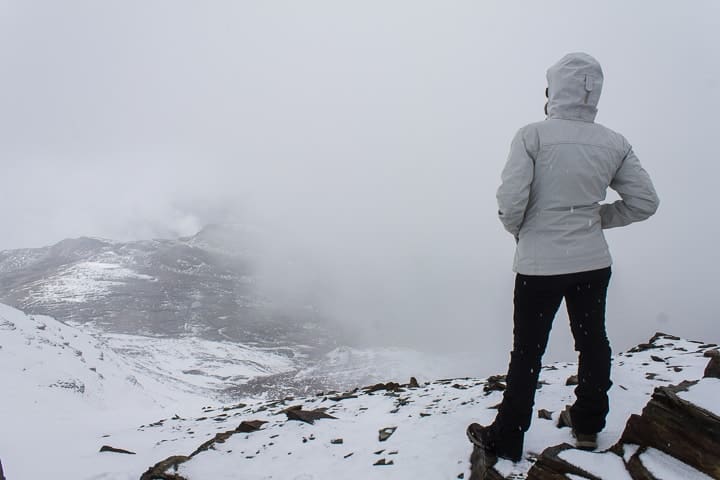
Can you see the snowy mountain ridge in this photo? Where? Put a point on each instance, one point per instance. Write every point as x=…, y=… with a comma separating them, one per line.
x=414, y=431
x=67, y=394
x=208, y=285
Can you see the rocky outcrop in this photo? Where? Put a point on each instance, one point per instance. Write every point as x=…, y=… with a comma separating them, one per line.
x=678, y=428
x=166, y=469
x=670, y=427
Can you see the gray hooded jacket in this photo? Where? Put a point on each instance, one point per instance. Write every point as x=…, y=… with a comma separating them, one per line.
x=558, y=172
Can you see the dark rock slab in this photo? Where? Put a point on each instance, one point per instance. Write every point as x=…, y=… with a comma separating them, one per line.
x=636, y=468
x=385, y=433
x=678, y=428
x=712, y=370
x=550, y=466
x=158, y=471
x=545, y=414
x=307, y=416
x=481, y=465
x=108, y=448
x=495, y=383
x=343, y=396
x=389, y=386
x=250, y=426
x=571, y=380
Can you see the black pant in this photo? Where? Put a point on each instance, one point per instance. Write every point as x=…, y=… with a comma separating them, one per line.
x=537, y=299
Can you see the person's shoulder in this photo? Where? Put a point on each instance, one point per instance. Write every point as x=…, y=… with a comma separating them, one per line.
x=530, y=135
x=616, y=139
x=533, y=127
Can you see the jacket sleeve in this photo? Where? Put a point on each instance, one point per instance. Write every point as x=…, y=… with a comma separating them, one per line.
x=517, y=176
x=638, y=198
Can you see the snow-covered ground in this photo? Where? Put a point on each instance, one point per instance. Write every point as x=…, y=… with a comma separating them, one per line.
x=66, y=393
x=77, y=282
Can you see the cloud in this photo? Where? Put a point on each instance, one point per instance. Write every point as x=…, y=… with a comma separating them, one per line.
x=369, y=135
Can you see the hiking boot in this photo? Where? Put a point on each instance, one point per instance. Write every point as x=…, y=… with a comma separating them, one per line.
x=483, y=437
x=583, y=441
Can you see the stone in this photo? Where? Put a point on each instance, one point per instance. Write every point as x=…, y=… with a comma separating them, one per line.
x=678, y=428
x=636, y=469
x=108, y=448
x=250, y=426
x=550, y=466
x=481, y=465
x=495, y=383
x=343, y=396
x=385, y=433
x=307, y=416
x=158, y=471
x=390, y=387
x=712, y=370
x=413, y=383
x=544, y=414
x=571, y=380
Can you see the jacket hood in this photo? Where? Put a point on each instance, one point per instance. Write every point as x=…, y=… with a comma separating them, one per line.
x=574, y=86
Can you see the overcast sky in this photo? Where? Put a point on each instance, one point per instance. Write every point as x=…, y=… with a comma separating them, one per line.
x=369, y=133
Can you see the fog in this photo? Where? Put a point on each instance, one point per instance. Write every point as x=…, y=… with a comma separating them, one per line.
x=368, y=139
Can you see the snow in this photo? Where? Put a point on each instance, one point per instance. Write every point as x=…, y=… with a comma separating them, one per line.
x=74, y=391
x=665, y=467
x=628, y=451
x=704, y=395
x=197, y=363
x=80, y=281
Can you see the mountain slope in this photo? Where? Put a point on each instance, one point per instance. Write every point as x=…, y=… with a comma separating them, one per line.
x=425, y=426
x=206, y=286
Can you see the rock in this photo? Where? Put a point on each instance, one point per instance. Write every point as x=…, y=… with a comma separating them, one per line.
x=636, y=468
x=712, y=353
x=386, y=433
x=663, y=336
x=390, y=387
x=108, y=448
x=343, y=396
x=382, y=461
x=157, y=471
x=307, y=416
x=571, y=380
x=677, y=427
x=712, y=370
x=336, y=441
x=481, y=465
x=495, y=383
x=250, y=426
x=413, y=383
x=655, y=358
x=544, y=414
x=550, y=466
x=2, y=475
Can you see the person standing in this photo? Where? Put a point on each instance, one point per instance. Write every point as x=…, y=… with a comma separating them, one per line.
x=556, y=176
